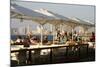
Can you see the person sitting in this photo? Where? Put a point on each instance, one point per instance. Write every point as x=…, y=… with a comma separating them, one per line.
x=58, y=35
x=18, y=40
x=34, y=40
x=29, y=35
x=45, y=39
x=92, y=37
x=26, y=42
x=75, y=36
x=63, y=38
x=71, y=43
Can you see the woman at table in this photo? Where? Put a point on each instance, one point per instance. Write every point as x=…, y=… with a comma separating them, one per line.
x=34, y=40
x=18, y=40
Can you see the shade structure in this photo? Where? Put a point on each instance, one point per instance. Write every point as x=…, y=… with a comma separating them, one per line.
x=43, y=18
x=28, y=14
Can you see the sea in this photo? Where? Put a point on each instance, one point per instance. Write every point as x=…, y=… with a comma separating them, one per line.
x=14, y=37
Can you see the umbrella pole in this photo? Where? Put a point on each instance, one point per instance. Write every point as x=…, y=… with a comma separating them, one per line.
x=72, y=33
x=41, y=36
x=53, y=34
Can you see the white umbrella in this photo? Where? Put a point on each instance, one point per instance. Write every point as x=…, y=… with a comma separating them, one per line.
x=25, y=13
x=43, y=16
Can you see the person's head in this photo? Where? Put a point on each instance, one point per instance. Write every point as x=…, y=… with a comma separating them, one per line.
x=65, y=33
x=58, y=32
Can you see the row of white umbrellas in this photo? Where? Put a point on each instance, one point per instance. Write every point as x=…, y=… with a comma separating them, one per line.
x=23, y=13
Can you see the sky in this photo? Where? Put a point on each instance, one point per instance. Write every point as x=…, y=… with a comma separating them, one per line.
x=84, y=12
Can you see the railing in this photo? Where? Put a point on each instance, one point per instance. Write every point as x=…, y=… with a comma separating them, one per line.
x=29, y=50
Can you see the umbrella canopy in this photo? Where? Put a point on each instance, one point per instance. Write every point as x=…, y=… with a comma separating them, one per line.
x=42, y=16
x=82, y=22
x=35, y=15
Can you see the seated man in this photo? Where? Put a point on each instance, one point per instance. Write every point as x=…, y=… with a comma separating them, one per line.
x=92, y=39
x=34, y=40
x=26, y=42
